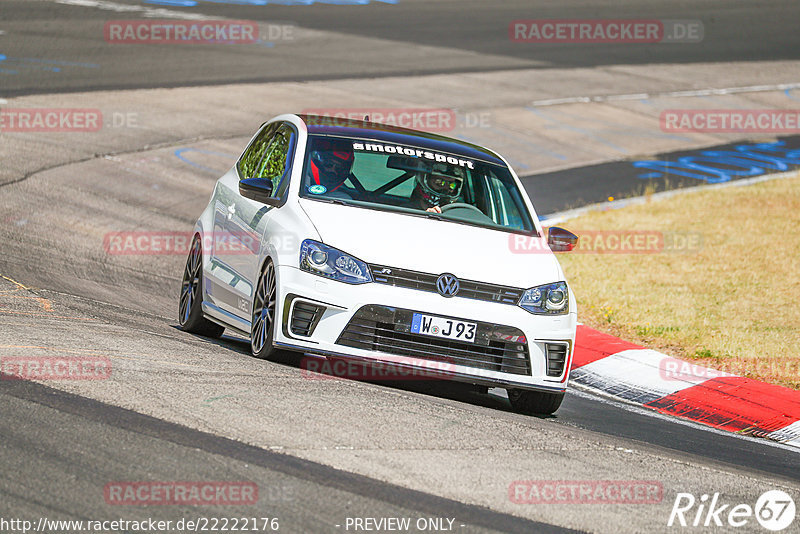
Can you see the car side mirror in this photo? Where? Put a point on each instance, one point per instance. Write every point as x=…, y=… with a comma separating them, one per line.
x=258, y=189
x=560, y=240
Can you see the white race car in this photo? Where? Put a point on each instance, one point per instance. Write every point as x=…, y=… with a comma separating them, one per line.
x=392, y=247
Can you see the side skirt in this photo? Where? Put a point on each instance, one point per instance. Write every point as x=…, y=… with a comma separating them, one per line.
x=226, y=319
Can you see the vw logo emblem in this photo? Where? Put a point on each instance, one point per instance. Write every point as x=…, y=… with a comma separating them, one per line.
x=447, y=285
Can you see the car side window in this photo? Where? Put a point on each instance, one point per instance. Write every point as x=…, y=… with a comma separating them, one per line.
x=274, y=167
x=254, y=153
x=268, y=156
x=506, y=204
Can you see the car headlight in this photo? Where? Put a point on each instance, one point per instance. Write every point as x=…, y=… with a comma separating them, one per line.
x=322, y=260
x=549, y=299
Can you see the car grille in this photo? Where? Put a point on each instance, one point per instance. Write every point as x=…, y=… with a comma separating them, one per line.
x=384, y=329
x=427, y=282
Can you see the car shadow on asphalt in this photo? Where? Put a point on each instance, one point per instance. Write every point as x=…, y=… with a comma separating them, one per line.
x=441, y=388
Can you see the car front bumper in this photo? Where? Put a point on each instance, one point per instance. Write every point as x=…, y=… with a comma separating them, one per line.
x=335, y=315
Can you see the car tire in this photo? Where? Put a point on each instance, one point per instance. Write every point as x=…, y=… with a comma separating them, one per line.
x=190, y=307
x=262, y=332
x=534, y=402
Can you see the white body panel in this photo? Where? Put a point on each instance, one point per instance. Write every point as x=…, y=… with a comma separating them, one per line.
x=430, y=246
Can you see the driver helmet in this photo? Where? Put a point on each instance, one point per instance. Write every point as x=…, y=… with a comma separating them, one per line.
x=331, y=161
x=441, y=186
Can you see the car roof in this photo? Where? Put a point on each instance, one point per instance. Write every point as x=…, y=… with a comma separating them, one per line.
x=323, y=125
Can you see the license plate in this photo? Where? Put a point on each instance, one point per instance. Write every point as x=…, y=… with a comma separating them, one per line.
x=430, y=325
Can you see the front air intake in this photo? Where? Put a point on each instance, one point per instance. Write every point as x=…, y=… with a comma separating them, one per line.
x=498, y=348
x=305, y=317
x=556, y=358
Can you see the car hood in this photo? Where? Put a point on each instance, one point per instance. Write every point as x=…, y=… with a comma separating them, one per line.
x=427, y=245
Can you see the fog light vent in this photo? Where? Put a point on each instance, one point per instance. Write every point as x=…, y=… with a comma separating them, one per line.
x=556, y=358
x=305, y=317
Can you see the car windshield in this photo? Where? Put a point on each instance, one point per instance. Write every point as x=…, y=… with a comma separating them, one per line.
x=414, y=180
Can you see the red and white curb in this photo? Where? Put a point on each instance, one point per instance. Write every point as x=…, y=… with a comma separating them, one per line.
x=676, y=387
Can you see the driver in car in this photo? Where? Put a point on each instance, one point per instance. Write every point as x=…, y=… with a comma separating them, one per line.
x=437, y=188
x=331, y=162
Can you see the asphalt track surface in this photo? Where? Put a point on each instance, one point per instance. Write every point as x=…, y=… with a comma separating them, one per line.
x=60, y=448
x=450, y=36
x=94, y=431
x=621, y=179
